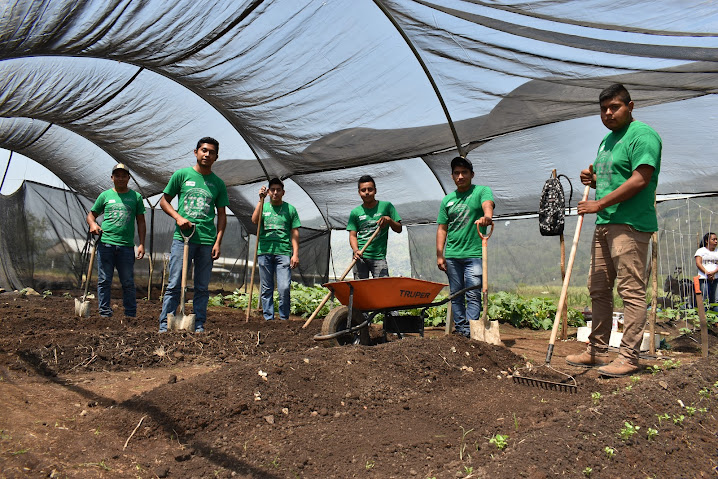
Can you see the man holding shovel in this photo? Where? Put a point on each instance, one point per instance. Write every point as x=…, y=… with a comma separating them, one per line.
x=121, y=207
x=278, y=249
x=363, y=222
x=458, y=245
x=200, y=193
x=625, y=175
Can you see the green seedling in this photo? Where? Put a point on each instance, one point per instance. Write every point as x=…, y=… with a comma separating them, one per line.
x=21, y=451
x=462, y=446
x=635, y=379
x=516, y=422
x=663, y=416
x=704, y=393
x=671, y=364
x=66, y=295
x=500, y=441
x=678, y=420
x=369, y=464
x=629, y=387
x=610, y=452
x=685, y=331
x=652, y=433
x=468, y=470
x=596, y=397
x=587, y=472
x=100, y=464
x=46, y=293
x=628, y=431
x=655, y=369
x=690, y=410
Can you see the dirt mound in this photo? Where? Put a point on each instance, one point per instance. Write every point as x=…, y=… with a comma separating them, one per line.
x=92, y=398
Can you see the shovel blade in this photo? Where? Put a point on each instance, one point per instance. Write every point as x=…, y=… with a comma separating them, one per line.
x=82, y=308
x=172, y=322
x=488, y=333
x=187, y=322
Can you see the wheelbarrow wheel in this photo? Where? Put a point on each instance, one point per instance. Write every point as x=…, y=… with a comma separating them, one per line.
x=336, y=320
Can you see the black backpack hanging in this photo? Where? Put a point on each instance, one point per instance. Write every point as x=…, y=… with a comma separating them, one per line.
x=552, y=206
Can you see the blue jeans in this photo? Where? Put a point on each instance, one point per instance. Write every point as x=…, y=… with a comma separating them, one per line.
x=109, y=257
x=464, y=273
x=709, y=293
x=377, y=267
x=269, y=265
x=201, y=256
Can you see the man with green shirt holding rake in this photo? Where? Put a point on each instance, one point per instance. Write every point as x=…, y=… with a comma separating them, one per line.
x=363, y=222
x=278, y=249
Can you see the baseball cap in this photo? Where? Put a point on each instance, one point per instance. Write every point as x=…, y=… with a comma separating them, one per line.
x=120, y=166
x=459, y=161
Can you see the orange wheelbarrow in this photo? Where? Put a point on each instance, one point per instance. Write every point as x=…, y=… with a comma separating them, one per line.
x=363, y=299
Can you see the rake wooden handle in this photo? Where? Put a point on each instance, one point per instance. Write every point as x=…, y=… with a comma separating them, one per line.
x=344, y=274
x=254, y=264
x=566, y=280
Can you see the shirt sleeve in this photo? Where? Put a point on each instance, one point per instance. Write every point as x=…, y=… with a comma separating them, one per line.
x=222, y=196
x=443, y=218
x=174, y=186
x=393, y=214
x=140, y=209
x=352, y=223
x=646, y=150
x=295, y=218
x=99, y=207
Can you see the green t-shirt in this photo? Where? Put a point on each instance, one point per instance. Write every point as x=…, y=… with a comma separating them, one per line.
x=120, y=210
x=199, y=195
x=619, y=154
x=459, y=211
x=275, y=236
x=364, y=222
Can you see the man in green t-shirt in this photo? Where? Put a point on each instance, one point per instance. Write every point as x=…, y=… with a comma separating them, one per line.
x=625, y=174
x=278, y=249
x=200, y=193
x=458, y=244
x=363, y=222
x=121, y=207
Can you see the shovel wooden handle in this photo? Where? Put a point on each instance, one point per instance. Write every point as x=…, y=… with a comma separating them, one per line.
x=344, y=274
x=89, y=267
x=566, y=280
x=485, y=274
x=701, y=315
x=185, y=260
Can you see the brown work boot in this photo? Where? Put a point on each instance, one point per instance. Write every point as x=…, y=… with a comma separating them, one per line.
x=590, y=358
x=619, y=367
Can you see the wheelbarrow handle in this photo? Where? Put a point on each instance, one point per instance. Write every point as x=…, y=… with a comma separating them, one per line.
x=451, y=296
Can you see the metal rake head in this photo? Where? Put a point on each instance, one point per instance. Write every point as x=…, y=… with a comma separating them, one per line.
x=567, y=385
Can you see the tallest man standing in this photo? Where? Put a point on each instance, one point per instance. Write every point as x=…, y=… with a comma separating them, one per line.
x=625, y=175
x=200, y=192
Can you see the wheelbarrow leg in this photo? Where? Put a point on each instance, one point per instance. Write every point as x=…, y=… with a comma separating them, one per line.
x=350, y=306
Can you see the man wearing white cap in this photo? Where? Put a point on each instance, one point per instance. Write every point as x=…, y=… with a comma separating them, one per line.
x=121, y=207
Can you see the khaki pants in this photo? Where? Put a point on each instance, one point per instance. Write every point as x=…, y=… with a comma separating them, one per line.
x=618, y=253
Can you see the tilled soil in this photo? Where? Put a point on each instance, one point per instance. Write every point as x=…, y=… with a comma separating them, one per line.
x=113, y=398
